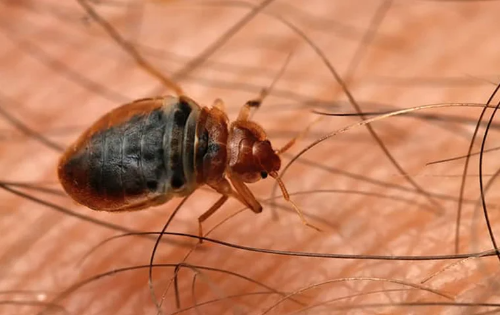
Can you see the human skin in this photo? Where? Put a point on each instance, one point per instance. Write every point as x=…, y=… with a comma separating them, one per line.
x=61, y=71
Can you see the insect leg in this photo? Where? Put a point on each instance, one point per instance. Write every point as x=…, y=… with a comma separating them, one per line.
x=246, y=194
x=224, y=188
x=209, y=212
x=255, y=103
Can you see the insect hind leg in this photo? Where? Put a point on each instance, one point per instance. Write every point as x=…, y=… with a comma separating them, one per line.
x=209, y=213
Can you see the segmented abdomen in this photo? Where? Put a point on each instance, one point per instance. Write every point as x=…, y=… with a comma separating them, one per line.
x=136, y=156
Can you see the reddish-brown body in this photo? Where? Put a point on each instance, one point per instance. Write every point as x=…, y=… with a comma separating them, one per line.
x=144, y=153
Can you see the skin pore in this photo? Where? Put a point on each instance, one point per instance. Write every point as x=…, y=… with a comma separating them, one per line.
x=62, y=72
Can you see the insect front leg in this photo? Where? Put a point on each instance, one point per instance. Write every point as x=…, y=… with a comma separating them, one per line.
x=224, y=188
x=246, y=194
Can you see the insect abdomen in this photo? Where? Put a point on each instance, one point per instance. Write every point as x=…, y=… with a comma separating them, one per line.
x=138, y=155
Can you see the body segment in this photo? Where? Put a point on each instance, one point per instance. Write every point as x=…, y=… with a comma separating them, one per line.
x=146, y=152
x=136, y=156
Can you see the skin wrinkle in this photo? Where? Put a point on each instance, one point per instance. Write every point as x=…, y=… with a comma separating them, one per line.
x=419, y=40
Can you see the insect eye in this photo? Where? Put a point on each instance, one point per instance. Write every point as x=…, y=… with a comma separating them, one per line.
x=263, y=174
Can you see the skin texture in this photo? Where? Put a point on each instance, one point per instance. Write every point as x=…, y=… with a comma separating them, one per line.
x=61, y=72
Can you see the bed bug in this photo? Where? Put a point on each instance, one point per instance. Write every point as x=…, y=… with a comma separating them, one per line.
x=144, y=153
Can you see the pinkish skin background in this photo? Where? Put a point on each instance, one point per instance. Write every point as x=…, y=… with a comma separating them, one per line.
x=450, y=49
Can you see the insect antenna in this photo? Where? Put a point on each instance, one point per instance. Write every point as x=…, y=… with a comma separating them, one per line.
x=255, y=104
x=286, y=196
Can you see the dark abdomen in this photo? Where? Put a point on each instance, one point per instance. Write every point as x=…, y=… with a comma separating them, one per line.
x=139, y=155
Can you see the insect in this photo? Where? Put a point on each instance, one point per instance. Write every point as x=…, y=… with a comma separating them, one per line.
x=144, y=153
